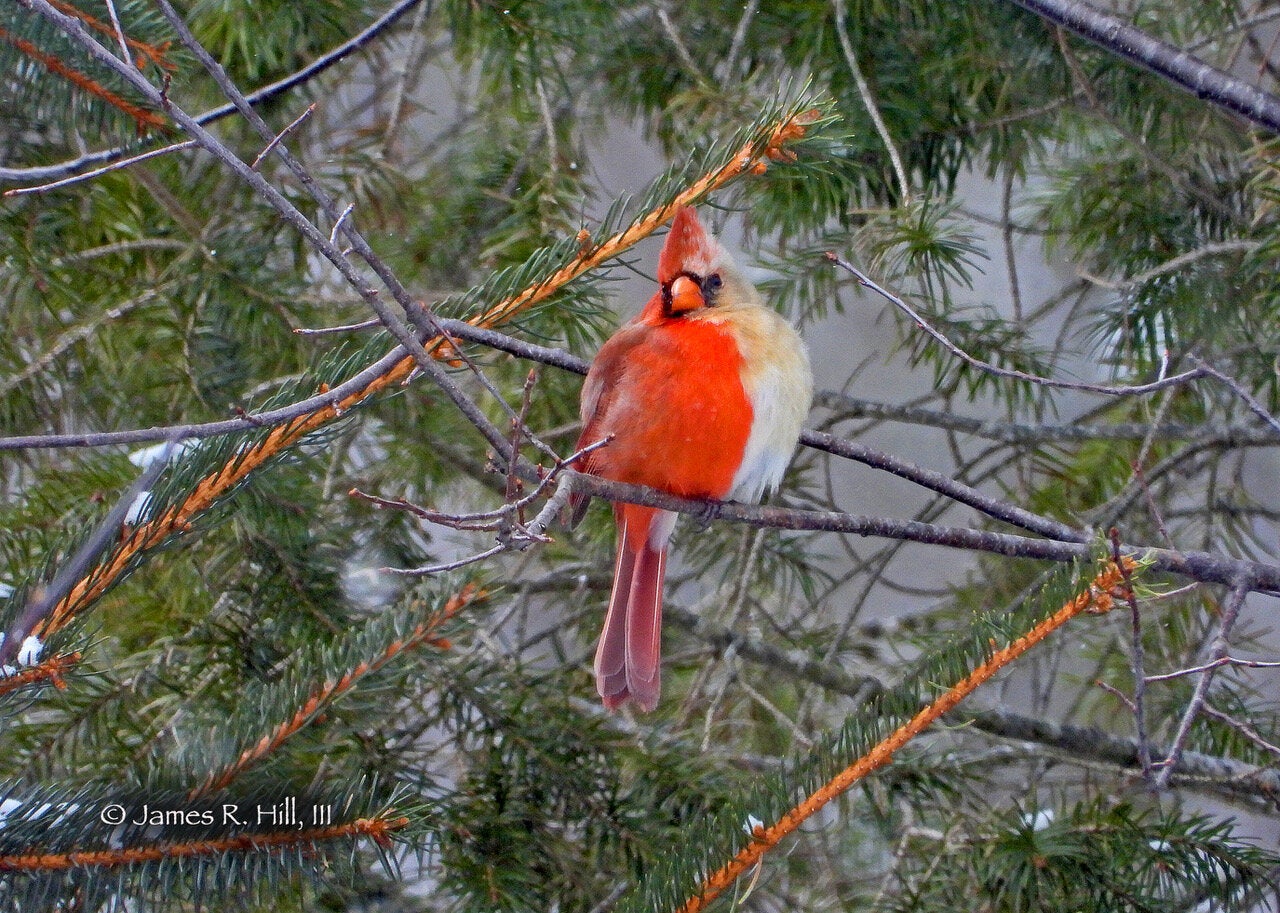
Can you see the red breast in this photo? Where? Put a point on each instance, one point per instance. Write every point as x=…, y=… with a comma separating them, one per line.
x=676, y=408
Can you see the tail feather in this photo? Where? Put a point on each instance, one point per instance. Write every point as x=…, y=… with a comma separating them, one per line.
x=644, y=627
x=611, y=653
x=628, y=659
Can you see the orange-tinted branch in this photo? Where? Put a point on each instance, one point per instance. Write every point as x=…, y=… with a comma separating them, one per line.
x=142, y=117
x=50, y=670
x=1097, y=597
x=377, y=829
x=424, y=633
x=751, y=158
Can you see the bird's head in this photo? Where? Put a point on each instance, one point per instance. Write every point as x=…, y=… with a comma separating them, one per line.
x=695, y=272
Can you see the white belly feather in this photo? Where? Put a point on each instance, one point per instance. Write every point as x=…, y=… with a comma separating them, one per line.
x=779, y=384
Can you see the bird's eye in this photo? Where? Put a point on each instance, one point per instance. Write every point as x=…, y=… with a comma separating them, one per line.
x=714, y=282
x=711, y=288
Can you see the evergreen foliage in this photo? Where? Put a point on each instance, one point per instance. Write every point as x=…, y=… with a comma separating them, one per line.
x=239, y=641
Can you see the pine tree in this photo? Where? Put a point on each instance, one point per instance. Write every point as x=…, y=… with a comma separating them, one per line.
x=297, y=297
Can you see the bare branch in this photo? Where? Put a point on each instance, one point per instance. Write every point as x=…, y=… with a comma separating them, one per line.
x=1216, y=775
x=1214, y=664
x=945, y=485
x=1230, y=612
x=1012, y=374
x=1014, y=433
x=115, y=24
x=428, y=570
x=682, y=50
x=740, y=37
x=1172, y=265
x=1171, y=63
x=1235, y=387
x=90, y=175
x=1137, y=658
x=279, y=137
x=346, y=328
x=1202, y=566
x=1242, y=727
x=869, y=102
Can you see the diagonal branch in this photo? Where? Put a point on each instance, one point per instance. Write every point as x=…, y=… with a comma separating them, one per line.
x=44, y=600
x=1096, y=597
x=1137, y=389
x=1221, y=646
x=427, y=632
x=1220, y=776
x=1184, y=70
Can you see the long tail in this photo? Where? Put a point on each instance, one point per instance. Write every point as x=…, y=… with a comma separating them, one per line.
x=628, y=660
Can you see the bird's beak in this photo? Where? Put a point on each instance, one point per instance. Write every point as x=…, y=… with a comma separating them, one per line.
x=685, y=295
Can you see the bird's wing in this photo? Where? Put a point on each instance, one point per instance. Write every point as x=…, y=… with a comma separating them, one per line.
x=599, y=391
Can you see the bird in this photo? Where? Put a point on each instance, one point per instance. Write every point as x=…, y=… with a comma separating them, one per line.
x=701, y=395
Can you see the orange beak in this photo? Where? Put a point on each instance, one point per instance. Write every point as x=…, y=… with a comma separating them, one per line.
x=685, y=295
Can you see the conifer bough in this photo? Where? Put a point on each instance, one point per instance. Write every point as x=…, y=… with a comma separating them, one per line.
x=1098, y=597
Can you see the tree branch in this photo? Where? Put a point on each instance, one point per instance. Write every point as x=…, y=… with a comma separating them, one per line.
x=1202, y=566
x=1184, y=70
x=1082, y=744
x=1105, y=389
x=1094, y=597
x=852, y=407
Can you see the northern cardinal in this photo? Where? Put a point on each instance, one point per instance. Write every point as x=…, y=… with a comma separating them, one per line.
x=704, y=393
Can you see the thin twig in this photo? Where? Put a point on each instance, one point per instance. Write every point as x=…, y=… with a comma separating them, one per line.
x=1143, y=762
x=1215, y=664
x=346, y=328
x=739, y=38
x=430, y=569
x=1235, y=387
x=682, y=51
x=1137, y=656
x=869, y=102
x=279, y=137
x=853, y=407
x=1240, y=726
x=402, y=79
x=513, y=534
x=120, y=36
x=519, y=427
x=548, y=122
x=1172, y=265
x=341, y=220
x=1230, y=612
x=1013, y=374
x=90, y=175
